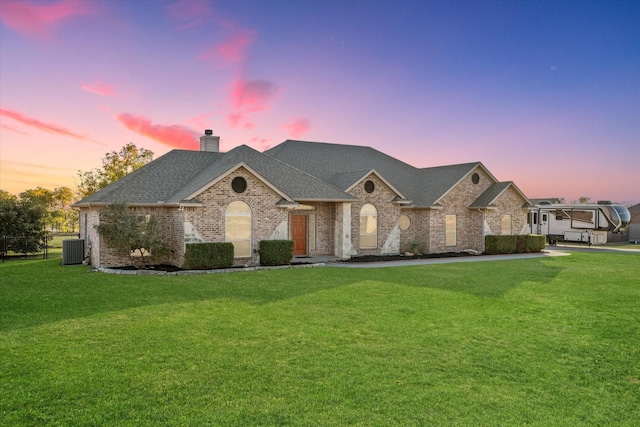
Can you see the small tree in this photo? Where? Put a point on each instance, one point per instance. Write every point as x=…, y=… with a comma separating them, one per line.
x=141, y=237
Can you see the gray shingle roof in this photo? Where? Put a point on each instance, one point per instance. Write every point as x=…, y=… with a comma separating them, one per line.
x=179, y=175
x=299, y=170
x=341, y=165
x=489, y=196
x=158, y=181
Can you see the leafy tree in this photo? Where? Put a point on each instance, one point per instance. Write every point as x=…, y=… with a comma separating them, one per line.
x=24, y=220
x=115, y=165
x=584, y=199
x=64, y=218
x=56, y=203
x=141, y=237
x=581, y=200
x=5, y=195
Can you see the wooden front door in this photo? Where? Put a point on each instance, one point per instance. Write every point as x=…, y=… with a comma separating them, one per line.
x=299, y=234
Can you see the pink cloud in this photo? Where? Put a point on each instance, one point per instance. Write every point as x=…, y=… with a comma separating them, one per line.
x=251, y=95
x=297, y=127
x=12, y=129
x=37, y=20
x=232, y=50
x=260, y=143
x=203, y=121
x=236, y=120
x=46, y=127
x=103, y=89
x=171, y=135
x=189, y=13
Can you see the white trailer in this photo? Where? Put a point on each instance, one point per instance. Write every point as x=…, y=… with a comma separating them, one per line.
x=586, y=223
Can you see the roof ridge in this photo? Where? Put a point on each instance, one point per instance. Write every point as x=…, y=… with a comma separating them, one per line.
x=300, y=170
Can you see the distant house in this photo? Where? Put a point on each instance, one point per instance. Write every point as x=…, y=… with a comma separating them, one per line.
x=633, y=232
x=330, y=199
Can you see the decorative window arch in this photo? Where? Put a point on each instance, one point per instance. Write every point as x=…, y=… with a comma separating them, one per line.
x=368, y=227
x=237, y=228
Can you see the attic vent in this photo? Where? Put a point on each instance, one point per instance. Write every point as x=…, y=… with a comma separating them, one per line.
x=239, y=184
x=475, y=178
x=369, y=186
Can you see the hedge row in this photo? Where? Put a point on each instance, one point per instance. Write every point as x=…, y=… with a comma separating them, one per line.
x=276, y=252
x=204, y=256
x=511, y=244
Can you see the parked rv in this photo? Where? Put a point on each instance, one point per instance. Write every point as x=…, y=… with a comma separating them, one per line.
x=586, y=223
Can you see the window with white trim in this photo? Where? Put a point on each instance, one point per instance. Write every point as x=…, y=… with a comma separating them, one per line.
x=450, y=230
x=237, y=228
x=368, y=227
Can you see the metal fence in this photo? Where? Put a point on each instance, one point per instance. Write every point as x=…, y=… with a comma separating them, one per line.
x=23, y=247
x=632, y=234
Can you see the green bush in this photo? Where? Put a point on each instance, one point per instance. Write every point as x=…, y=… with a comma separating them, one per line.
x=276, y=252
x=500, y=244
x=535, y=242
x=204, y=256
x=514, y=244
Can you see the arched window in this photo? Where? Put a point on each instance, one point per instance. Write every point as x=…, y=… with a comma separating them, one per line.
x=237, y=229
x=368, y=227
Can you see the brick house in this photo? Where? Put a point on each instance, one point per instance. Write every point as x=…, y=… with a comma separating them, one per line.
x=330, y=199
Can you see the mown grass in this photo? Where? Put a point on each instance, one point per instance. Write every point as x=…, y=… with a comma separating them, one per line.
x=546, y=341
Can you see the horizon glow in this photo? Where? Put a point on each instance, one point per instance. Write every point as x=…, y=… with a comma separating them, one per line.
x=545, y=94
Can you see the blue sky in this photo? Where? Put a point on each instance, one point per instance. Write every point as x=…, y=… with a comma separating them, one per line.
x=544, y=93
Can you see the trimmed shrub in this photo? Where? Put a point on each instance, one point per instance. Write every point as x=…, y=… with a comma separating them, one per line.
x=205, y=256
x=500, y=244
x=521, y=244
x=276, y=252
x=535, y=242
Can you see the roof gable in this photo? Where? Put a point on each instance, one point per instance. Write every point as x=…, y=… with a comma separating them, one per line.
x=343, y=165
x=233, y=169
x=382, y=178
x=437, y=182
x=487, y=199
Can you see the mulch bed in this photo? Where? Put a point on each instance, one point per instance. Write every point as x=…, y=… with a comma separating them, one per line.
x=385, y=258
x=172, y=268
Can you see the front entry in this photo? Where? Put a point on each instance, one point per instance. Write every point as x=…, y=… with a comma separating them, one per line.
x=299, y=234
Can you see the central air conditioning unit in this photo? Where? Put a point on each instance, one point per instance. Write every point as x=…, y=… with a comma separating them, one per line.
x=72, y=251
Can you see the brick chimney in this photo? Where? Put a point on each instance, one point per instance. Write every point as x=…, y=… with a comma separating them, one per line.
x=208, y=142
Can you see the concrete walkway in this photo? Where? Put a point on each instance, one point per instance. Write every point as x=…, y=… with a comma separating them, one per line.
x=333, y=261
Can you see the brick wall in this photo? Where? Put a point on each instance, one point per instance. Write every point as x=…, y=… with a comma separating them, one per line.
x=469, y=223
x=388, y=212
x=418, y=231
x=509, y=203
x=209, y=220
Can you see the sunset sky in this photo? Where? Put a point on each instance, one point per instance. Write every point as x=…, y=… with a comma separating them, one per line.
x=544, y=93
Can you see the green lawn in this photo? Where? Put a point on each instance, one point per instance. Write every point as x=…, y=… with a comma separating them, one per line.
x=545, y=341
